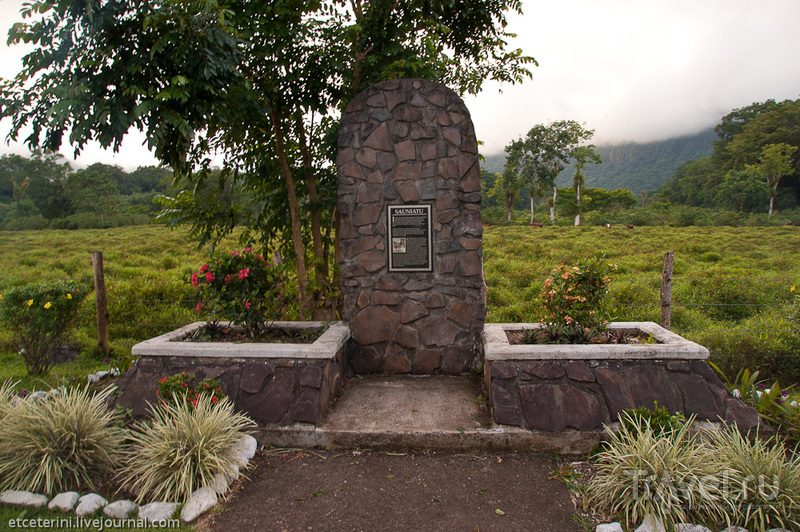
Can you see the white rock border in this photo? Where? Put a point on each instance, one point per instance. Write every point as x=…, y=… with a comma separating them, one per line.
x=199, y=502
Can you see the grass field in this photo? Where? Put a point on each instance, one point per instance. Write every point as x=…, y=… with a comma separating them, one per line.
x=731, y=287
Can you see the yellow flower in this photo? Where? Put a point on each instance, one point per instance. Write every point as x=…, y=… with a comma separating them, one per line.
x=47, y=305
x=69, y=296
x=30, y=302
x=792, y=290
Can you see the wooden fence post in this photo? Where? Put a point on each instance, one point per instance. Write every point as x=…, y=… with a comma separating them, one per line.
x=100, y=300
x=666, y=290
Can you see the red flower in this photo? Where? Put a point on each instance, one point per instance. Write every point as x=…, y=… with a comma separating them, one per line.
x=194, y=280
x=244, y=273
x=247, y=305
x=164, y=379
x=199, y=307
x=204, y=268
x=247, y=250
x=214, y=399
x=209, y=277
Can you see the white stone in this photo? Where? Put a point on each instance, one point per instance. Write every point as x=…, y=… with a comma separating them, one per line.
x=120, y=509
x=220, y=484
x=232, y=473
x=777, y=530
x=609, y=527
x=686, y=527
x=200, y=501
x=156, y=512
x=735, y=529
x=247, y=446
x=64, y=501
x=89, y=504
x=23, y=498
x=38, y=395
x=651, y=524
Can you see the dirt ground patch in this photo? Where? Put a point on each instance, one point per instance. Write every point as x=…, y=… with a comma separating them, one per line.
x=292, y=490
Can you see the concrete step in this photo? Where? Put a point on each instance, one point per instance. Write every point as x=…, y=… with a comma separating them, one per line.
x=424, y=413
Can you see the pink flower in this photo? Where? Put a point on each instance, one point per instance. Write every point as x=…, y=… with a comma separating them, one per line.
x=247, y=249
x=244, y=273
x=194, y=280
x=199, y=307
x=204, y=268
x=209, y=277
x=234, y=253
x=247, y=305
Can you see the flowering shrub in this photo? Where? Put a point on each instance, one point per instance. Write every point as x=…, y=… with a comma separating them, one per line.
x=574, y=301
x=243, y=288
x=39, y=317
x=185, y=388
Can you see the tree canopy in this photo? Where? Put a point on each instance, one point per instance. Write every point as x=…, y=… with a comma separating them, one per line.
x=757, y=142
x=258, y=84
x=540, y=156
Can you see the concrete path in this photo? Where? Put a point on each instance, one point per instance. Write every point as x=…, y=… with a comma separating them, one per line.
x=420, y=413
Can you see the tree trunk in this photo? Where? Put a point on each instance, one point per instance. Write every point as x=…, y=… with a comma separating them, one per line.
x=772, y=200
x=294, y=211
x=578, y=205
x=531, y=208
x=553, y=206
x=321, y=267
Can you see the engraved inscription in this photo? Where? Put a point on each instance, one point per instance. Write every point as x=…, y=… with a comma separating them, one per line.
x=410, y=238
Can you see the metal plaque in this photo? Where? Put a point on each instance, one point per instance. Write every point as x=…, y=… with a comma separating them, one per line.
x=410, y=238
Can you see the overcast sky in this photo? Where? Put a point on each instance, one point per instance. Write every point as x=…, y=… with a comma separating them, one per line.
x=632, y=70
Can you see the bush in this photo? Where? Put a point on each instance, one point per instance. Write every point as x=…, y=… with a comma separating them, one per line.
x=658, y=419
x=763, y=485
x=184, y=388
x=39, y=317
x=63, y=441
x=643, y=473
x=574, y=301
x=764, y=342
x=183, y=448
x=244, y=288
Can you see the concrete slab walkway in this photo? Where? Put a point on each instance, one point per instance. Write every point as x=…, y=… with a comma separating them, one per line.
x=420, y=413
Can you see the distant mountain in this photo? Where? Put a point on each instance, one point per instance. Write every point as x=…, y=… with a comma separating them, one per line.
x=633, y=166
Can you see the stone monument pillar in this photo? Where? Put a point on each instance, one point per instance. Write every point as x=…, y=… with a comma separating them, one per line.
x=411, y=253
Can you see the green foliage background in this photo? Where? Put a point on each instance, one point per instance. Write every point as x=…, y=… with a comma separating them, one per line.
x=731, y=290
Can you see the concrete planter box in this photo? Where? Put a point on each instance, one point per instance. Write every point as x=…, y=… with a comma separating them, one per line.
x=583, y=387
x=275, y=383
x=670, y=345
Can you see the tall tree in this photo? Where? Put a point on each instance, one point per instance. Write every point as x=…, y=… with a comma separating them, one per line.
x=776, y=161
x=258, y=83
x=541, y=155
x=507, y=187
x=582, y=155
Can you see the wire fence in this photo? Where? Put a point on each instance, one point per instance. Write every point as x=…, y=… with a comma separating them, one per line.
x=630, y=295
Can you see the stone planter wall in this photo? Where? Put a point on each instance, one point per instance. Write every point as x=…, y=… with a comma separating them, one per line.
x=273, y=383
x=585, y=387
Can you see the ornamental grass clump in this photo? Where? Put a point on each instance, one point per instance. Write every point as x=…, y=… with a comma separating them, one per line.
x=39, y=317
x=63, y=441
x=242, y=287
x=574, y=304
x=183, y=447
x=665, y=475
x=761, y=481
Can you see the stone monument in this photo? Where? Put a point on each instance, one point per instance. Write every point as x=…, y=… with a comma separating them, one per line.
x=410, y=230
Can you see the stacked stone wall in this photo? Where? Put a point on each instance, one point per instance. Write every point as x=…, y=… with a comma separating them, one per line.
x=410, y=142
x=271, y=391
x=556, y=395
